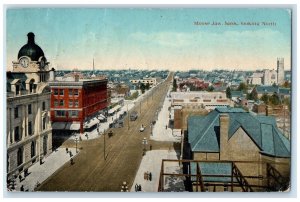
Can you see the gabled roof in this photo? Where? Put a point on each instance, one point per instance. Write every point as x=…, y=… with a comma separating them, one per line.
x=266, y=89
x=204, y=131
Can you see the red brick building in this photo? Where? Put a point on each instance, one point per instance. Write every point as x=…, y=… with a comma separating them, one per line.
x=75, y=104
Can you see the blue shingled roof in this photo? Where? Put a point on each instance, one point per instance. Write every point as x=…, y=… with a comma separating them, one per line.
x=266, y=89
x=204, y=131
x=237, y=94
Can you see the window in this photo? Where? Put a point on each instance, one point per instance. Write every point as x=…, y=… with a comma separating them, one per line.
x=44, y=106
x=32, y=149
x=44, y=123
x=70, y=92
x=61, y=92
x=17, y=89
x=16, y=112
x=55, y=103
x=55, y=91
x=17, y=134
x=61, y=103
x=20, y=156
x=76, y=103
x=70, y=103
x=29, y=109
x=29, y=128
x=76, y=92
x=74, y=113
x=60, y=113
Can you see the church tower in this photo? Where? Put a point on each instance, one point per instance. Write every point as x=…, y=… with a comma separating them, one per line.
x=280, y=70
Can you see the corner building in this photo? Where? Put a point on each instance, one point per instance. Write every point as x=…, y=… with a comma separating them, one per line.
x=75, y=104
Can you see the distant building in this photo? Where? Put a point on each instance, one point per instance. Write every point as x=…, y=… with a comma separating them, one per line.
x=256, y=78
x=233, y=137
x=75, y=104
x=270, y=90
x=203, y=99
x=29, y=134
x=151, y=81
x=270, y=77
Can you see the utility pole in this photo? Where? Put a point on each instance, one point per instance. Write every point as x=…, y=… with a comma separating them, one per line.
x=128, y=117
x=104, y=146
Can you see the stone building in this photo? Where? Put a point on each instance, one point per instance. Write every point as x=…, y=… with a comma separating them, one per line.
x=29, y=133
x=237, y=142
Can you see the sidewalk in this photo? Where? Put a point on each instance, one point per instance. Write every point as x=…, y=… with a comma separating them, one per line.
x=39, y=173
x=160, y=133
x=151, y=162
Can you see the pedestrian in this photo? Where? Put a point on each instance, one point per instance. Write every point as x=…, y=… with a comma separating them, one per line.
x=147, y=175
x=71, y=154
x=166, y=127
x=26, y=172
x=136, y=187
x=150, y=147
x=140, y=187
x=20, y=178
x=67, y=150
x=150, y=176
x=22, y=188
x=71, y=160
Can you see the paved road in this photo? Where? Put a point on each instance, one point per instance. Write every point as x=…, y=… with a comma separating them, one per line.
x=123, y=153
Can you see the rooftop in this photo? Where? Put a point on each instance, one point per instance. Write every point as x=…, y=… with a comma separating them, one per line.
x=204, y=131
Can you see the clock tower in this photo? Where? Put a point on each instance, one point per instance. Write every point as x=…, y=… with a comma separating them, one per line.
x=32, y=61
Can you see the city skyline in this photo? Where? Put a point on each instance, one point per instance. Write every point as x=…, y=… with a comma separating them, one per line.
x=173, y=39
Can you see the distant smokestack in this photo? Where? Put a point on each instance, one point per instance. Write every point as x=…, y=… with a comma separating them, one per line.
x=224, y=127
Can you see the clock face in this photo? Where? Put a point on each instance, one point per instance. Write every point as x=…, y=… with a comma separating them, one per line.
x=24, y=62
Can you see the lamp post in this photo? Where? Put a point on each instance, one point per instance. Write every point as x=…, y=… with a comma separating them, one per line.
x=76, y=140
x=104, y=145
x=128, y=117
x=140, y=107
x=124, y=187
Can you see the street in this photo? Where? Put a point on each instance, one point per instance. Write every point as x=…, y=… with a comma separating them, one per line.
x=124, y=151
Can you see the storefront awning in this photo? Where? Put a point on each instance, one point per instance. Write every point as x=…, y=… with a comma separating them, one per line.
x=58, y=125
x=111, y=111
x=73, y=126
x=91, y=122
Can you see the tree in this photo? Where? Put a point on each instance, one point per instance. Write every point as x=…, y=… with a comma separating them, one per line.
x=274, y=99
x=252, y=95
x=286, y=84
x=147, y=86
x=210, y=89
x=228, y=92
x=242, y=87
x=174, y=85
x=265, y=98
x=142, y=87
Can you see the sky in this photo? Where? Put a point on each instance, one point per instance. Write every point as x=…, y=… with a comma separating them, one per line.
x=152, y=38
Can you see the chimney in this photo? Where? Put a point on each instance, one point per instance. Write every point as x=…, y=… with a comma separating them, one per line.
x=52, y=75
x=224, y=127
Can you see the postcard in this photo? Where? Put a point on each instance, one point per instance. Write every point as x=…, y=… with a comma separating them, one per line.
x=148, y=99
